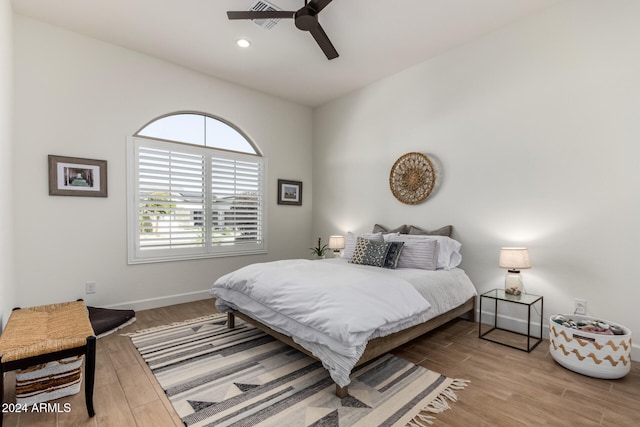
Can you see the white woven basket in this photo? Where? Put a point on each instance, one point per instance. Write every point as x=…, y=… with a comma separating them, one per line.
x=49, y=381
x=595, y=355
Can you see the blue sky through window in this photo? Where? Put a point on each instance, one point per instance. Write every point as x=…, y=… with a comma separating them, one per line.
x=198, y=129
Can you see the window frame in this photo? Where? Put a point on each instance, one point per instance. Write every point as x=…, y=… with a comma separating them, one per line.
x=138, y=255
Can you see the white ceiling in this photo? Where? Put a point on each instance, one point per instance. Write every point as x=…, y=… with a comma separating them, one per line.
x=375, y=38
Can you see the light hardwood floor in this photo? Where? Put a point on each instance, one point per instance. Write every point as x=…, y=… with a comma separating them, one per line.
x=508, y=387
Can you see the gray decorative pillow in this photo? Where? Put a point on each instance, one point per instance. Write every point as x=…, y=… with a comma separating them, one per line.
x=368, y=252
x=442, y=231
x=393, y=255
x=403, y=229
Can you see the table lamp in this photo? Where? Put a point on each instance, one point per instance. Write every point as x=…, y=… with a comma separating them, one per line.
x=336, y=243
x=514, y=260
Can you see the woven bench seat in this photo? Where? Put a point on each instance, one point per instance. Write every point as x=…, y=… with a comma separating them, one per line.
x=47, y=333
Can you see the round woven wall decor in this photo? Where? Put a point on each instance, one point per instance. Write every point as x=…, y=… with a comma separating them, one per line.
x=412, y=178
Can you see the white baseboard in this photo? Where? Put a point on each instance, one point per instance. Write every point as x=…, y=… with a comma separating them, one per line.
x=516, y=324
x=146, y=304
x=520, y=325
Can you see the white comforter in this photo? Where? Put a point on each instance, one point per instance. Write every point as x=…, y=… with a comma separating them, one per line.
x=332, y=308
x=331, y=304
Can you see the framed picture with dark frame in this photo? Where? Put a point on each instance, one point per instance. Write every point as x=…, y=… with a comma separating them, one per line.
x=289, y=192
x=73, y=176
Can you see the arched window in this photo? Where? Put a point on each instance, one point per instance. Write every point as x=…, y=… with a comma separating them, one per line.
x=198, y=129
x=196, y=190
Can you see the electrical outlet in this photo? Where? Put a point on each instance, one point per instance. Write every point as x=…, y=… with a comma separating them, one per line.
x=580, y=306
x=90, y=287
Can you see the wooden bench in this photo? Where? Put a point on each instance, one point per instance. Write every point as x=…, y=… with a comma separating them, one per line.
x=46, y=333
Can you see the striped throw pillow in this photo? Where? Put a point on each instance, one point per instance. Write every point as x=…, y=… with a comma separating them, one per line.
x=417, y=253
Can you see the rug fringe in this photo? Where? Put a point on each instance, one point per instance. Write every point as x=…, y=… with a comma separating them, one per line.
x=427, y=419
x=174, y=324
x=124, y=325
x=459, y=383
x=439, y=404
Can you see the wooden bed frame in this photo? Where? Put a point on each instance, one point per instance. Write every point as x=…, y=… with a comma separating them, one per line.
x=377, y=346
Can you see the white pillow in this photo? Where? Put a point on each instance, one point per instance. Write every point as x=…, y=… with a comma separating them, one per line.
x=350, y=244
x=448, y=249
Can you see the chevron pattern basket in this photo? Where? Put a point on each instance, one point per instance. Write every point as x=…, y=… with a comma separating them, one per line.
x=595, y=355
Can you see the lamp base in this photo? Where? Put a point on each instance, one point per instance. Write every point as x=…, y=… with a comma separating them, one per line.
x=513, y=284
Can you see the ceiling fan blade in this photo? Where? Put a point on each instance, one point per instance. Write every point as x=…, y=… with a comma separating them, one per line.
x=318, y=5
x=264, y=14
x=323, y=41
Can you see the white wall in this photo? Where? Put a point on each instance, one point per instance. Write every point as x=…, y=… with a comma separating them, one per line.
x=76, y=96
x=7, y=284
x=536, y=130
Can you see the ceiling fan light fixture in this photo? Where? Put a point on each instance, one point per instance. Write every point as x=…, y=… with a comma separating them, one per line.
x=243, y=43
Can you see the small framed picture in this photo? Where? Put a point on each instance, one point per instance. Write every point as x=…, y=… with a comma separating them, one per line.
x=73, y=176
x=289, y=192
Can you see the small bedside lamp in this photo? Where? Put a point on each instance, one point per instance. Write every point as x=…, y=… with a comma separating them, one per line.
x=514, y=260
x=336, y=243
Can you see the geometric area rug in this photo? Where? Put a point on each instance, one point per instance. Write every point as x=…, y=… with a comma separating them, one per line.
x=216, y=376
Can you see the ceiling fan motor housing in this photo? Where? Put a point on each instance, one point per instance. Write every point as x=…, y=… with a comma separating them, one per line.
x=306, y=19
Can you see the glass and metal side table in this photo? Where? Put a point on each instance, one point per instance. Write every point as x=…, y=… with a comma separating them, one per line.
x=500, y=297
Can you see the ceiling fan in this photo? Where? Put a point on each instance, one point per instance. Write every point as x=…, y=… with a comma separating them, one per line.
x=305, y=19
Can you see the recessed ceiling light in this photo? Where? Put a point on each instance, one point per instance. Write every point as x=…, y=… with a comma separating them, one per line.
x=243, y=43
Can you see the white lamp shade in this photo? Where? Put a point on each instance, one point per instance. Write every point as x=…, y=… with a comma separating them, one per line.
x=336, y=242
x=514, y=258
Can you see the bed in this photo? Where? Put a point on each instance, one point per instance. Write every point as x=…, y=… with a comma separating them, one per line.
x=347, y=311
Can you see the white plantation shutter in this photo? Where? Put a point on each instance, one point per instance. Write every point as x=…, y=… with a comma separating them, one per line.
x=193, y=202
x=170, y=196
x=236, y=208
